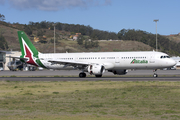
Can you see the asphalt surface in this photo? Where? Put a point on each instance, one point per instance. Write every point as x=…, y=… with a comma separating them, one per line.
x=72, y=75
x=89, y=79
x=76, y=73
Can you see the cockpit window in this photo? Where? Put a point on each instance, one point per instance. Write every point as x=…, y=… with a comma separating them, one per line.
x=164, y=57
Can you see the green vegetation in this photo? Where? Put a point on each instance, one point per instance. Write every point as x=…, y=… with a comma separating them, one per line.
x=3, y=43
x=43, y=33
x=2, y=17
x=164, y=44
x=90, y=100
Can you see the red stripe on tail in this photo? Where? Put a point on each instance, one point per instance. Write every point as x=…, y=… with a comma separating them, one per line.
x=29, y=55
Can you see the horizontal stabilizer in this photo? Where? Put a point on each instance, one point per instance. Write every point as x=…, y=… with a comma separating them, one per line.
x=18, y=58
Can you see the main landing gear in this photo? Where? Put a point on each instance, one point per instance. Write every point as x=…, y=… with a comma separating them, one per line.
x=155, y=74
x=82, y=75
x=98, y=76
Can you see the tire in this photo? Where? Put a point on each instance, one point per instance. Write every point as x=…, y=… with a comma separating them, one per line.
x=82, y=75
x=155, y=75
x=98, y=76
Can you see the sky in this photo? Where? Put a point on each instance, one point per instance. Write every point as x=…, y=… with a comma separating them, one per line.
x=107, y=15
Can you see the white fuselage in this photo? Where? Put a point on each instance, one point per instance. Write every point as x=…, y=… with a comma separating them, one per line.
x=111, y=60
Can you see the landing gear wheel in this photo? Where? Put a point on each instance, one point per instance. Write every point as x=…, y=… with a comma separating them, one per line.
x=155, y=75
x=98, y=76
x=82, y=75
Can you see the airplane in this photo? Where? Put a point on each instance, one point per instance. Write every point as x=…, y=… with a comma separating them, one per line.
x=94, y=63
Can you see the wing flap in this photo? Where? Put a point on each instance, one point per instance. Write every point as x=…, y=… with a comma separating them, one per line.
x=70, y=62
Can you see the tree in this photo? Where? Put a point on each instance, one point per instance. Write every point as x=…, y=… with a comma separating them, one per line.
x=28, y=30
x=95, y=43
x=122, y=34
x=43, y=24
x=2, y=17
x=91, y=43
x=80, y=39
x=86, y=44
x=3, y=43
x=40, y=33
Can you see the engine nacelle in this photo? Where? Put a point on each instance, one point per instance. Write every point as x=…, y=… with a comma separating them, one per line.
x=120, y=71
x=96, y=69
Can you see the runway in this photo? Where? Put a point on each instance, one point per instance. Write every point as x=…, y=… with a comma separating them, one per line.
x=89, y=79
x=72, y=75
x=67, y=73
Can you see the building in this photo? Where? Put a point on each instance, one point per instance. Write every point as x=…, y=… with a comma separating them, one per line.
x=9, y=59
x=75, y=37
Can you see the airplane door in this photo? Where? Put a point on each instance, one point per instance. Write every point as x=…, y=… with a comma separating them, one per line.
x=76, y=59
x=117, y=60
x=152, y=59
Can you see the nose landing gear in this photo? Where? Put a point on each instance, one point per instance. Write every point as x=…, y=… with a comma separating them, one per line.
x=155, y=74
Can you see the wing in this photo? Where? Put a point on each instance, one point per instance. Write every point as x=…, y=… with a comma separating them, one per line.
x=76, y=64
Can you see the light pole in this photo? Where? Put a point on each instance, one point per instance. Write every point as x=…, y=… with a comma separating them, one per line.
x=54, y=39
x=156, y=33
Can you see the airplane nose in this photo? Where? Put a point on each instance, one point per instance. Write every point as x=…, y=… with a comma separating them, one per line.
x=172, y=63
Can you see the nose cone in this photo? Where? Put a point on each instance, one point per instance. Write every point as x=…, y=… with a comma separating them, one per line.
x=172, y=62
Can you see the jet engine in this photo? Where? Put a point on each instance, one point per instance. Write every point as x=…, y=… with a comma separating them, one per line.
x=96, y=69
x=119, y=71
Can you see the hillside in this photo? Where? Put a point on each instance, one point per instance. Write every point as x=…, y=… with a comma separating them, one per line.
x=175, y=38
x=10, y=34
x=63, y=43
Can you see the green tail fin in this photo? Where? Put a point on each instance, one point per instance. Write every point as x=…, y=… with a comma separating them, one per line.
x=28, y=50
x=26, y=44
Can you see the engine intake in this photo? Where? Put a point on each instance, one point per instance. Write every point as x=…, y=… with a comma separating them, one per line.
x=96, y=69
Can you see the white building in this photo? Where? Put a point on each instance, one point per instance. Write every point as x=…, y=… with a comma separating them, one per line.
x=11, y=54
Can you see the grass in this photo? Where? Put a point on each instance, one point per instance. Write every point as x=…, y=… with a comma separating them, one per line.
x=90, y=100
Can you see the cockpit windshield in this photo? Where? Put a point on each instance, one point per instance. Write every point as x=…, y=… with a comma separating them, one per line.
x=164, y=57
